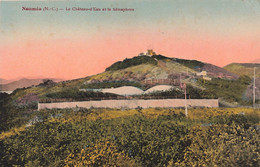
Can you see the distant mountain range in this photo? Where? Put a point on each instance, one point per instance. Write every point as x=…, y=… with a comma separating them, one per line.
x=5, y=81
x=10, y=85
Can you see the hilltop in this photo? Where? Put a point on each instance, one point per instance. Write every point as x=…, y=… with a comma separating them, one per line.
x=161, y=67
x=243, y=69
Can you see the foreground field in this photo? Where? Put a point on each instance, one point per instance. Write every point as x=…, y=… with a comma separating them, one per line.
x=137, y=137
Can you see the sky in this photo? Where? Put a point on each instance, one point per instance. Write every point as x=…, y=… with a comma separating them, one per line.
x=75, y=44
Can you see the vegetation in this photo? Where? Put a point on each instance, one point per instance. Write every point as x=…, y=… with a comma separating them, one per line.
x=161, y=57
x=76, y=94
x=229, y=90
x=243, y=69
x=192, y=93
x=193, y=64
x=11, y=116
x=141, y=137
x=196, y=93
x=115, y=84
x=173, y=93
x=131, y=62
x=101, y=153
x=221, y=145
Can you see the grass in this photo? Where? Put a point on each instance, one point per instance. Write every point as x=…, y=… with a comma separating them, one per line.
x=194, y=114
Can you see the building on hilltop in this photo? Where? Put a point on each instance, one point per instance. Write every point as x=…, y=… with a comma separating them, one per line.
x=149, y=52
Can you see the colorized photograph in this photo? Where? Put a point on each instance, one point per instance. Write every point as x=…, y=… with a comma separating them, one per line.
x=130, y=83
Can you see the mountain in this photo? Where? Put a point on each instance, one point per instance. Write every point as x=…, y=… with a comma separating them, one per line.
x=5, y=81
x=21, y=83
x=244, y=69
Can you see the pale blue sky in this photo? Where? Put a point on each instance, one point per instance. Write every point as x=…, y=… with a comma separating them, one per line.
x=215, y=16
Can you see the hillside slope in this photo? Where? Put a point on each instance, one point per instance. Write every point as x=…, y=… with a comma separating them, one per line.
x=144, y=71
x=244, y=69
x=163, y=66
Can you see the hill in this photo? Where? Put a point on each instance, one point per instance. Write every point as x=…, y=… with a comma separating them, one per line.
x=160, y=67
x=256, y=61
x=244, y=69
x=21, y=83
x=144, y=72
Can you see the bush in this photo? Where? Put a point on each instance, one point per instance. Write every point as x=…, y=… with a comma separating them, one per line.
x=76, y=94
x=221, y=146
x=102, y=153
x=152, y=137
x=131, y=62
x=114, y=84
x=229, y=90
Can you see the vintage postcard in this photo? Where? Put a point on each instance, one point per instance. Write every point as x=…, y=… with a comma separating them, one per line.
x=130, y=83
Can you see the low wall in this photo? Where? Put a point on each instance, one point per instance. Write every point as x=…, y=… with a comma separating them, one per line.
x=163, y=103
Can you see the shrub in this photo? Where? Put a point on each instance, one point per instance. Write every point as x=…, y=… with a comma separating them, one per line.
x=221, y=145
x=131, y=62
x=102, y=153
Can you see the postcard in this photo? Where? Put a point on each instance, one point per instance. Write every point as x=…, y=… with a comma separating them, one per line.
x=129, y=83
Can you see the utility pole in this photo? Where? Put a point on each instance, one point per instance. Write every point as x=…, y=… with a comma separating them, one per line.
x=185, y=96
x=186, y=109
x=254, y=89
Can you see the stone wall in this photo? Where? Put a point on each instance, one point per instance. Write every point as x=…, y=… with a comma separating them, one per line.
x=164, y=103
